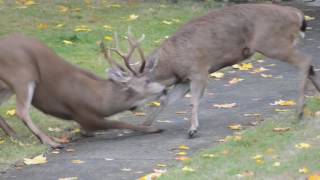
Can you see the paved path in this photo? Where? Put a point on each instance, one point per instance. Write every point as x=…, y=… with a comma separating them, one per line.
x=141, y=153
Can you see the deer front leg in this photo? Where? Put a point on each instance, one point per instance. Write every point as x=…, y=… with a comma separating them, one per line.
x=24, y=98
x=174, y=94
x=197, y=88
x=6, y=128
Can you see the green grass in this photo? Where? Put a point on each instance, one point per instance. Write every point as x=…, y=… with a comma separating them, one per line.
x=262, y=140
x=85, y=50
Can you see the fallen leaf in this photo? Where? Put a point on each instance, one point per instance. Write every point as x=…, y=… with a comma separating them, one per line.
x=164, y=121
x=36, y=160
x=182, y=158
x=151, y=176
x=251, y=114
x=237, y=138
x=281, y=110
x=132, y=17
x=303, y=170
x=54, y=129
x=126, y=169
x=114, y=5
x=259, y=70
x=11, y=112
x=63, y=9
x=245, y=174
x=314, y=177
x=281, y=129
x=182, y=153
x=217, y=75
x=266, y=75
x=59, y=25
x=139, y=113
x=108, y=159
x=155, y=104
x=167, y=22
x=181, y=112
x=283, y=103
x=303, y=146
x=225, y=106
x=209, y=155
x=183, y=147
x=235, y=80
x=309, y=18
x=243, y=66
x=69, y=178
x=235, y=127
x=176, y=20
x=276, y=164
x=67, y=42
x=2, y=141
x=161, y=165
x=82, y=29
x=107, y=27
x=258, y=156
x=42, y=26
x=108, y=38
x=259, y=161
x=55, y=151
x=188, y=169
x=77, y=162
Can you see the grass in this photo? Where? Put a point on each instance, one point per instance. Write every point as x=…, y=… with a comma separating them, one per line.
x=234, y=159
x=42, y=20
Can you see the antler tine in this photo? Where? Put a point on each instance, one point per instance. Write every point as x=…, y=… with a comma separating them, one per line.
x=107, y=55
x=137, y=44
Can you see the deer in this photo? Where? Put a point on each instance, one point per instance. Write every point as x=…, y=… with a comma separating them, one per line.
x=223, y=38
x=39, y=77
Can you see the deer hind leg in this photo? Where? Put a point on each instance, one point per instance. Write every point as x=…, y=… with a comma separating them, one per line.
x=5, y=94
x=174, y=94
x=197, y=87
x=287, y=52
x=24, y=98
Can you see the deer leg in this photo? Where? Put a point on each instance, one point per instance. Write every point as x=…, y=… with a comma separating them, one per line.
x=4, y=96
x=314, y=78
x=176, y=93
x=197, y=88
x=24, y=98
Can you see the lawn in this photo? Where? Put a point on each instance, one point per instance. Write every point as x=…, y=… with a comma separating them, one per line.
x=74, y=29
x=279, y=148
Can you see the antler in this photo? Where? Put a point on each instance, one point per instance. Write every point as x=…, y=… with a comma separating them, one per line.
x=107, y=55
x=133, y=44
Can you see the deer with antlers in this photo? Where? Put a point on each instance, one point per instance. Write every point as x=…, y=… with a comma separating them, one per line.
x=39, y=77
x=223, y=38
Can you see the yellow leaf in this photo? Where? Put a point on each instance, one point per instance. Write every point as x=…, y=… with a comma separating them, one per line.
x=303, y=170
x=132, y=17
x=309, y=18
x=225, y=106
x=139, y=113
x=42, y=26
x=258, y=156
x=69, y=178
x=217, y=75
x=108, y=38
x=183, y=147
x=63, y=9
x=259, y=70
x=107, y=27
x=209, y=155
x=235, y=127
x=243, y=66
x=314, y=177
x=82, y=29
x=276, y=164
x=235, y=80
x=284, y=103
x=11, y=112
x=182, y=153
x=303, y=146
x=284, y=129
x=155, y=104
x=237, y=138
x=67, y=42
x=26, y=2
x=281, y=110
x=59, y=25
x=167, y=22
x=77, y=162
x=187, y=169
x=176, y=20
x=36, y=160
x=2, y=141
x=259, y=161
x=114, y=5
x=182, y=158
x=151, y=176
x=181, y=112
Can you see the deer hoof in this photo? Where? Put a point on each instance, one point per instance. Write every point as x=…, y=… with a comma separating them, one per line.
x=56, y=145
x=192, y=133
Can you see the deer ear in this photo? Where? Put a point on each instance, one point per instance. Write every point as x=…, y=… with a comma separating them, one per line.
x=153, y=62
x=118, y=76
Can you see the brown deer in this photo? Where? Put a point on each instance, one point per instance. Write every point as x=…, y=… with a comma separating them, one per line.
x=37, y=76
x=223, y=38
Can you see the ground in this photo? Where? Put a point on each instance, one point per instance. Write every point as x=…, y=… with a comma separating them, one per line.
x=122, y=155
